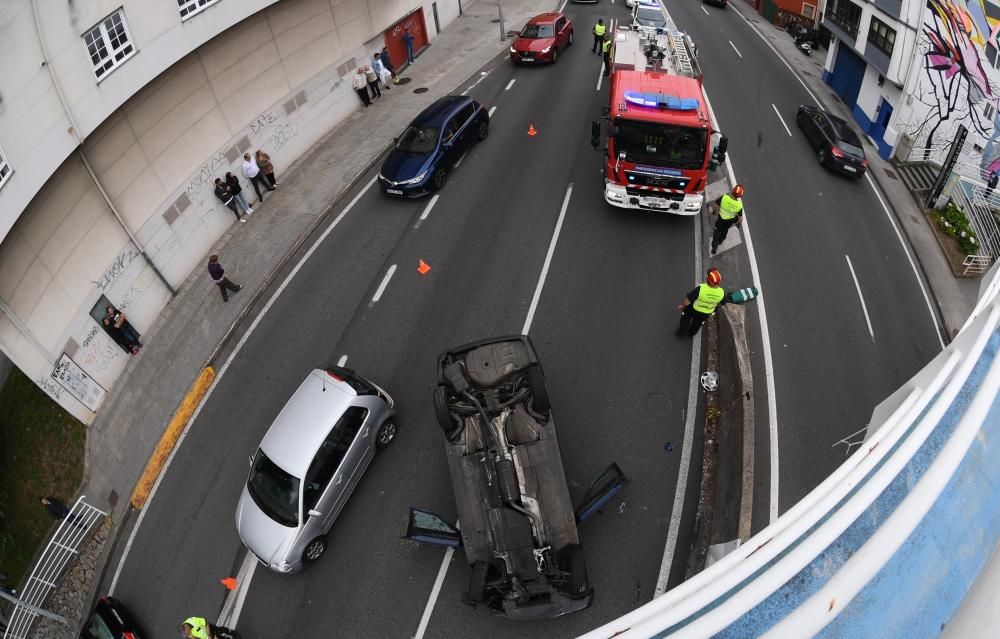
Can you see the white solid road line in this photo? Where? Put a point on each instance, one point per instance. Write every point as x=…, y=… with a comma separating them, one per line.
x=705, y=10
x=430, y=205
x=492, y=110
x=385, y=283
x=225, y=367
x=230, y=615
x=677, y=510
x=547, y=262
x=342, y=360
x=446, y=562
x=510, y=84
x=735, y=49
x=913, y=265
x=782, y=119
x=435, y=592
x=600, y=78
x=783, y=60
x=860, y=297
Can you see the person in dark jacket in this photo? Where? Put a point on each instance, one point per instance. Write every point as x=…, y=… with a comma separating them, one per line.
x=408, y=42
x=116, y=334
x=218, y=275
x=226, y=197
x=387, y=63
x=58, y=510
x=234, y=186
x=120, y=322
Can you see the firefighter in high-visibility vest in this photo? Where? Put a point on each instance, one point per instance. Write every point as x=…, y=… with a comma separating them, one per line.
x=599, y=31
x=199, y=628
x=606, y=50
x=700, y=304
x=730, y=210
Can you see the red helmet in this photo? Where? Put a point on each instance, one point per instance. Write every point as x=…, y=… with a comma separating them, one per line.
x=737, y=190
x=714, y=277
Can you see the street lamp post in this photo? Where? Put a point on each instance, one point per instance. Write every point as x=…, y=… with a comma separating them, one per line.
x=503, y=32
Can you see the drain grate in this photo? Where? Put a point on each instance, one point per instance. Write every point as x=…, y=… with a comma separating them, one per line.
x=420, y=90
x=890, y=174
x=405, y=80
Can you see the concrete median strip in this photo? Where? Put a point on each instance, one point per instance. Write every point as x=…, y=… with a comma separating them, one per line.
x=170, y=436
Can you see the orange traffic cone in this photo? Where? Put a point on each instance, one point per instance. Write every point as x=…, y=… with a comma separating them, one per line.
x=531, y=130
x=423, y=267
x=229, y=583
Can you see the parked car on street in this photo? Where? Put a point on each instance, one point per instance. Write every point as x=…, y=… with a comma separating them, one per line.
x=518, y=525
x=309, y=463
x=649, y=14
x=717, y=3
x=110, y=620
x=542, y=38
x=836, y=145
x=431, y=145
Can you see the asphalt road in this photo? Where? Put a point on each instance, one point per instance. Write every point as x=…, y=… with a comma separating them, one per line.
x=806, y=222
x=617, y=377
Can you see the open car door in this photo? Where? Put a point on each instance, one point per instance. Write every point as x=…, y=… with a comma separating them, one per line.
x=600, y=491
x=429, y=528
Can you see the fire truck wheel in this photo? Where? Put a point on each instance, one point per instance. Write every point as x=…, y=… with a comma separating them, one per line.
x=439, y=179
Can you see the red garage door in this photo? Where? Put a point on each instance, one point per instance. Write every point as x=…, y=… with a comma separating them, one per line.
x=394, y=37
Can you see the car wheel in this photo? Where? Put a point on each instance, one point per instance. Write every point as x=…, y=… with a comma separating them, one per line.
x=440, y=179
x=443, y=413
x=540, y=395
x=821, y=156
x=571, y=38
x=571, y=560
x=555, y=54
x=385, y=435
x=314, y=550
x=484, y=130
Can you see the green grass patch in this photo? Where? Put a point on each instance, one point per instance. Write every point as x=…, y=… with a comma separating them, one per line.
x=954, y=223
x=42, y=449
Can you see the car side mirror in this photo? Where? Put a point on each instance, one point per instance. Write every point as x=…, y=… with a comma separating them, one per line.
x=595, y=133
x=250, y=458
x=723, y=145
x=315, y=513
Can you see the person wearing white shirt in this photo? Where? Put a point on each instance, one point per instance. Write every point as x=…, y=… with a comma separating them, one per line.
x=383, y=74
x=252, y=172
x=360, y=84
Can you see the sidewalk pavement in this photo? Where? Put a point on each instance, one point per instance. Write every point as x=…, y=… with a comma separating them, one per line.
x=954, y=297
x=196, y=322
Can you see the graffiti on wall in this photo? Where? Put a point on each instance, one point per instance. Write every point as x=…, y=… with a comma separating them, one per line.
x=262, y=122
x=957, y=46
x=283, y=135
x=205, y=177
x=77, y=382
x=118, y=266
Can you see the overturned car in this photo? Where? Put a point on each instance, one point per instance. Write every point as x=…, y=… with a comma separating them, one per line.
x=518, y=526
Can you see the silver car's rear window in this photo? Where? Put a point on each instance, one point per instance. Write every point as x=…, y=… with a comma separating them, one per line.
x=274, y=491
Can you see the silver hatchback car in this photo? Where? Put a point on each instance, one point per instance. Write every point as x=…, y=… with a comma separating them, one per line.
x=308, y=464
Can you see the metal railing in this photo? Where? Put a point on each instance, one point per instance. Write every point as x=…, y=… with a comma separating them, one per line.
x=64, y=546
x=978, y=201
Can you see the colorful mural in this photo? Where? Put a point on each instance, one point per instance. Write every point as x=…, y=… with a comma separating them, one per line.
x=959, y=81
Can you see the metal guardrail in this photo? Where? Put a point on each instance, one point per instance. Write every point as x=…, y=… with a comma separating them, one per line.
x=64, y=546
x=979, y=202
x=891, y=542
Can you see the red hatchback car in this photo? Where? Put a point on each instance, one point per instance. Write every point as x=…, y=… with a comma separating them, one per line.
x=542, y=38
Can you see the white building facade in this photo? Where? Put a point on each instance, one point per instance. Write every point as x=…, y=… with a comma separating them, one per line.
x=115, y=118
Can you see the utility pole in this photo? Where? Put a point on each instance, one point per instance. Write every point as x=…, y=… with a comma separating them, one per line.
x=503, y=32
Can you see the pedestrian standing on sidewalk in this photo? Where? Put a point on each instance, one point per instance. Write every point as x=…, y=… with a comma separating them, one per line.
x=408, y=41
x=253, y=173
x=599, y=30
x=700, y=304
x=116, y=335
x=219, y=278
x=387, y=63
x=381, y=72
x=226, y=197
x=58, y=510
x=360, y=84
x=729, y=208
x=120, y=322
x=373, y=83
x=991, y=184
x=236, y=190
x=264, y=163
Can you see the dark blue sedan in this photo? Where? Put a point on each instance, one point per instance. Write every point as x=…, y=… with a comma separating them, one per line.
x=431, y=145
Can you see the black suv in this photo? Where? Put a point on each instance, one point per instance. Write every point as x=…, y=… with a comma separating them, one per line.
x=518, y=526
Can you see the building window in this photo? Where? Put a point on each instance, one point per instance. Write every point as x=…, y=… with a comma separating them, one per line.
x=846, y=15
x=808, y=10
x=189, y=8
x=5, y=170
x=109, y=44
x=882, y=36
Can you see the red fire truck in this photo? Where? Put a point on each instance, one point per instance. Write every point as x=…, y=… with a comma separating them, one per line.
x=660, y=136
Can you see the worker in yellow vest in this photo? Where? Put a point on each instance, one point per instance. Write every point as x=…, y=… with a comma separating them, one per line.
x=700, y=304
x=198, y=628
x=599, y=31
x=606, y=50
x=730, y=210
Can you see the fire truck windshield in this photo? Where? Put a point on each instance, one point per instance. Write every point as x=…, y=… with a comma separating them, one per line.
x=666, y=144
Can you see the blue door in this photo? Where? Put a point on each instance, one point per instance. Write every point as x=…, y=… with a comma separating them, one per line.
x=882, y=116
x=848, y=72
